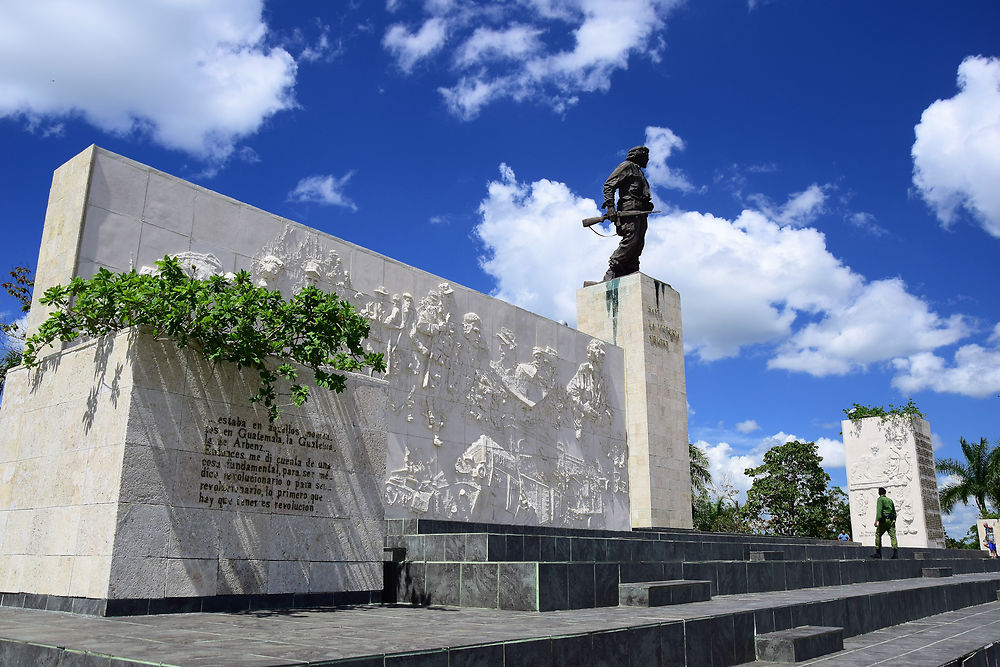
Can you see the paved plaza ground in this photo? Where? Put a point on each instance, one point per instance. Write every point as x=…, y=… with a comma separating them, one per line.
x=404, y=635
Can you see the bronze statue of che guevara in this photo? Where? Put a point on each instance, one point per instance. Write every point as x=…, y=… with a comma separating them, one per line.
x=634, y=198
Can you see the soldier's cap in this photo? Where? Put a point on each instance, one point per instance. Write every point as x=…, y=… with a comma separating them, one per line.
x=635, y=151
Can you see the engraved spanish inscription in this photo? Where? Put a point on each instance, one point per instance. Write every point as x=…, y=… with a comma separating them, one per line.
x=267, y=467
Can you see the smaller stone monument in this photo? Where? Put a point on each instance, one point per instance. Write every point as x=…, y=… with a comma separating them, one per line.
x=893, y=452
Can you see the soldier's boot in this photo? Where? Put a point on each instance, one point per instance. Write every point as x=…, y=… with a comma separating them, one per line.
x=877, y=554
x=895, y=553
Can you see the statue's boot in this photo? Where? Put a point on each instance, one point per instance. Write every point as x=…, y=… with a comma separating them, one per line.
x=877, y=554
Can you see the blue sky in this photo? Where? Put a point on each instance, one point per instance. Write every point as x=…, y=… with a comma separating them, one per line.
x=829, y=172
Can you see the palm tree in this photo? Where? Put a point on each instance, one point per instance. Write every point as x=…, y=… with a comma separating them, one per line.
x=701, y=476
x=978, y=477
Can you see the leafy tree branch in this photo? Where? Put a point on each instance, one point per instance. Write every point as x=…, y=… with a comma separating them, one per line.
x=224, y=319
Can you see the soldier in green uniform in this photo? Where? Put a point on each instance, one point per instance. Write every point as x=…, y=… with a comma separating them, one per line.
x=885, y=522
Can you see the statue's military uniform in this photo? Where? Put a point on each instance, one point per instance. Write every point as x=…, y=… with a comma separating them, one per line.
x=628, y=180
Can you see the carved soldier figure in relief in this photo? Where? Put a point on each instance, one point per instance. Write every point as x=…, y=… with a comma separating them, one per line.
x=587, y=391
x=397, y=353
x=431, y=336
x=466, y=372
x=376, y=312
x=633, y=195
x=268, y=269
x=533, y=381
x=312, y=272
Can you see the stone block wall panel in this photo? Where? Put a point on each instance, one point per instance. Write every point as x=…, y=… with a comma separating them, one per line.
x=142, y=472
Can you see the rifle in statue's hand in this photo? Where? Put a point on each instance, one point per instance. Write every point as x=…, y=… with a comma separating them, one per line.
x=589, y=222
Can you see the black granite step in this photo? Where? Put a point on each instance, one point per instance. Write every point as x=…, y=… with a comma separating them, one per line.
x=936, y=571
x=797, y=644
x=553, y=585
x=396, y=527
x=662, y=593
x=766, y=555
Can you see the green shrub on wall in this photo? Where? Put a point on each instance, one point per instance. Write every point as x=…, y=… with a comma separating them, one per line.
x=225, y=319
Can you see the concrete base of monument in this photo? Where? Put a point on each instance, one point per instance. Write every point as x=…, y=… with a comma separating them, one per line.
x=134, y=476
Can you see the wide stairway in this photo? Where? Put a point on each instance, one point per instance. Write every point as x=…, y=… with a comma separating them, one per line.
x=712, y=599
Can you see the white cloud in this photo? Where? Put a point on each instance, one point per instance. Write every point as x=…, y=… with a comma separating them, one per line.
x=748, y=426
x=867, y=328
x=832, y=452
x=726, y=463
x=323, y=190
x=801, y=208
x=512, y=43
x=661, y=142
x=956, y=155
x=867, y=222
x=410, y=48
x=520, y=53
x=974, y=371
x=744, y=282
x=193, y=76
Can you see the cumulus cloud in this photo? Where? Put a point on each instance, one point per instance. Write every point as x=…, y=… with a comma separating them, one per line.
x=727, y=464
x=801, y=208
x=974, y=371
x=746, y=281
x=867, y=329
x=832, y=452
x=662, y=142
x=748, y=426
x=956, y=155
x=522, y=53
x=323, y=190
x=195, y=77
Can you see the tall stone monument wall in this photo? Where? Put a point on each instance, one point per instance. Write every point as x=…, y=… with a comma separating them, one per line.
x=494, y=414
x=894, y=453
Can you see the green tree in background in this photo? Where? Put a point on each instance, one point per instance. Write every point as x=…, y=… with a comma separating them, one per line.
x=11, y=336
x=701, y=475
x=977, y=477
x=839, y=513
x=970, y=541
x=790, y=495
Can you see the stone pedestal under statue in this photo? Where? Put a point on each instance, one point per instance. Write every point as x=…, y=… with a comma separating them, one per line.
x=894, y=453
x=643, y=316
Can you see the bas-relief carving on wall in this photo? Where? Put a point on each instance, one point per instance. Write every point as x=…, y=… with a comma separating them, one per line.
x=887, y=464
x=515, y=453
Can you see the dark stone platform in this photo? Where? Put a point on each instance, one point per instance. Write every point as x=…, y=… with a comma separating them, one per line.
x=818, y=583
x=662, y=593
x=798, y=644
